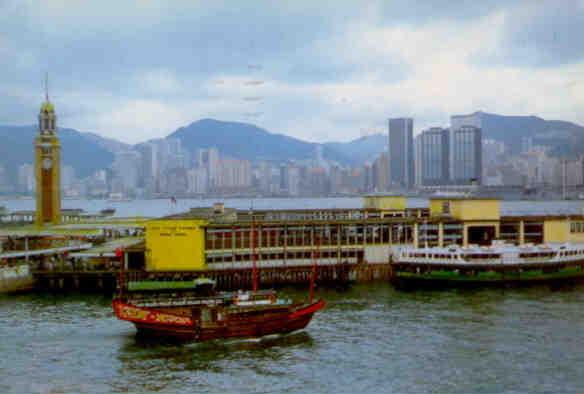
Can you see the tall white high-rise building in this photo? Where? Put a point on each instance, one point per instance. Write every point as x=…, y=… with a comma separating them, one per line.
x=209, y=159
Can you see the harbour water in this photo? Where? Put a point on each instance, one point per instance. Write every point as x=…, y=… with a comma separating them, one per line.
x=161, y=207
x=370, y=339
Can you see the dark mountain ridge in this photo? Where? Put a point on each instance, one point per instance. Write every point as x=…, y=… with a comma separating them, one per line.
x=247, y=141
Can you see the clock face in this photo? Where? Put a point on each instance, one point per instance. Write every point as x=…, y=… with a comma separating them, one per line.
x=47, y=163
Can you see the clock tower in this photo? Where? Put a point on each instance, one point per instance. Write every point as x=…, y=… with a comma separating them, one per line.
x=47, y=166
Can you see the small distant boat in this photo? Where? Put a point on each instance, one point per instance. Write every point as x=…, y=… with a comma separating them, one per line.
x=199, y=313
x=107, y=212
x=118, y=197
x=498, y=264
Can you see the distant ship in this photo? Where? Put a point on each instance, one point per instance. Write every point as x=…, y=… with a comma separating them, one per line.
x=118, y=197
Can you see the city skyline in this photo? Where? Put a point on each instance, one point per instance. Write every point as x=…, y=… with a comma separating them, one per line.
x=347, y=70
x=457, y=156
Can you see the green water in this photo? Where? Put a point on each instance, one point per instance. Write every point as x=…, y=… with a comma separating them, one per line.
x=370, y=338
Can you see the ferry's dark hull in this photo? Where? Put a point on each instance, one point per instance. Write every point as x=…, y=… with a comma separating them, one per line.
x=269, y=322
x=425, y=275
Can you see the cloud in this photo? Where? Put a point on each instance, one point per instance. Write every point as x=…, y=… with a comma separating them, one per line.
x=326, y=70
x=542, y=34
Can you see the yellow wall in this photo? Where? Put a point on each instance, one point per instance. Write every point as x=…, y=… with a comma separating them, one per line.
x=467, y=209
x=384, y=202
x=556, y=231
x=175, y=245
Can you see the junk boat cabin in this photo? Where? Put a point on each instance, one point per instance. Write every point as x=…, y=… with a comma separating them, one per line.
x=499, y=263
x=194, y=311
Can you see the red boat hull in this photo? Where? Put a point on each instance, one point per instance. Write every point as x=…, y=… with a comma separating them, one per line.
x=151, y=322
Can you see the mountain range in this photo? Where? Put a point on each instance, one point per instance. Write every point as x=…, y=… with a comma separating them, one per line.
x=247, y=141
x=16, y=148
x=564, y=138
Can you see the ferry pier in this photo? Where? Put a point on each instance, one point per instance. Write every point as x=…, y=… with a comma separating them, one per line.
x=221, y=243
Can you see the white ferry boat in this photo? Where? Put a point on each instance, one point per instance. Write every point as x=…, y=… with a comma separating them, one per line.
x=500, y=262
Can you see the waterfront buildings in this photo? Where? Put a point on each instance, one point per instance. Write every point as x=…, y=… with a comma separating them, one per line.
x=233, y=175
x=197, y=181
x=26, y=179
x=574, y=172
x=289, y=180
x=380, y=173
x=125, y=172
x=401, y=152
x=209, y=160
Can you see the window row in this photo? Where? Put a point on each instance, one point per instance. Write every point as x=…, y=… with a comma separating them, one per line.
x=307, y=236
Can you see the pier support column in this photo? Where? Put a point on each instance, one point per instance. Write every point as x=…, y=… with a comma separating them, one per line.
x=521, y=232
x=415, y=235
x=441, y=234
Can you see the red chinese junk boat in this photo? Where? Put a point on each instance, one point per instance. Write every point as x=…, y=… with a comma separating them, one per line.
x=193, y=311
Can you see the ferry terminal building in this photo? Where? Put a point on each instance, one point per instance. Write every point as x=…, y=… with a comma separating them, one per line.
x=220, y=238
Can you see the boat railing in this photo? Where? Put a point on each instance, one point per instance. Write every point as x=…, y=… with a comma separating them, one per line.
x=154, y=301
x=181, y=299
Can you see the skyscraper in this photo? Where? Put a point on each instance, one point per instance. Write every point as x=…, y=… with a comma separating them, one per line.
x=401, y=152
x=466, y=158
x=433, y=150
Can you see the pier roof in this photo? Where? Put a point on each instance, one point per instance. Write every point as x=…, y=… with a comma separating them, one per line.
x=108, y=249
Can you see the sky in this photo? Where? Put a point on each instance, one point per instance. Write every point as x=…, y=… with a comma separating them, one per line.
x=315, y=70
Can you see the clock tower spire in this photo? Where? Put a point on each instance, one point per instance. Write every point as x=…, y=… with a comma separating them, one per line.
x=47, y=165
